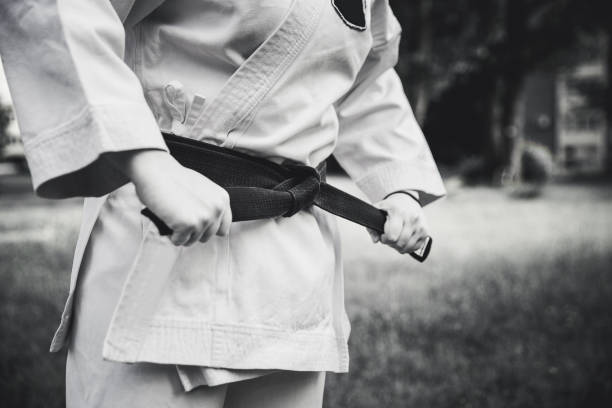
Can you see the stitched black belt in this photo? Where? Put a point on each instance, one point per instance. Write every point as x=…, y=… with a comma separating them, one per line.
x=259, y=188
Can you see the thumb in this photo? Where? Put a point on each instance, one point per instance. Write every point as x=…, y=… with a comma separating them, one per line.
x=374, y=235
x=384, y=205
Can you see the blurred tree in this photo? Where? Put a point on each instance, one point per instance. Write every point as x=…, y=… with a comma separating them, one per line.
x=5, y=118
x=423, y=54
x=464, y=62
x=608, y=95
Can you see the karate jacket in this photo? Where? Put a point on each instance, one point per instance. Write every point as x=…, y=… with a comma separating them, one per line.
x=300, y=81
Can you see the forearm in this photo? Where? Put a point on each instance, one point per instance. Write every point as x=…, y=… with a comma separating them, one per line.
x=139, y=165
x=70, y=120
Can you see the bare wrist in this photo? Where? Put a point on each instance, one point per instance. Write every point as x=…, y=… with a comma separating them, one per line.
x=137, y=164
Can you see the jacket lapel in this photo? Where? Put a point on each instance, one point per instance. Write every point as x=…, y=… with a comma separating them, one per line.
x=236, y=103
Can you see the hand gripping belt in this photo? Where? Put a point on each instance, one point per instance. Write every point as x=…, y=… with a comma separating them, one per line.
x=259, y=188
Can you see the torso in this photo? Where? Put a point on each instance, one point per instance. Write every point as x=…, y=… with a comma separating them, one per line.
x=216, y=35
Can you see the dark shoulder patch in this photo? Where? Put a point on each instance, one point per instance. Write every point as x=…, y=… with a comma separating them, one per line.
x=352, y=13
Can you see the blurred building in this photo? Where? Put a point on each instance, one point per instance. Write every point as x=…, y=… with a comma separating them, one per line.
x=12, y=157
x=564, y=111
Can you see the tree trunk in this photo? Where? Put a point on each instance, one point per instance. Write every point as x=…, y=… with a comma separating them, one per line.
x=506, y=136
x=495, y=147
x=490, y=16
x=608, y=99
x=423, y=88
x=515, y=134
x=506, y=130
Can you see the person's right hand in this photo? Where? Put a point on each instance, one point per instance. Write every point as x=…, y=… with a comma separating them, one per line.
x=193, y=206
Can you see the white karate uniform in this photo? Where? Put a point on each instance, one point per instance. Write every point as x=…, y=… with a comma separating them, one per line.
x=281, y=79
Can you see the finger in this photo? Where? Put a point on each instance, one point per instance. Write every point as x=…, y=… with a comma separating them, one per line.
x=193, y=238
x=385, y=206
x=408, y=231
x=412, y=220
x=180, y=237
x=210, y=230
x=374, y=235
x=421, y=242
x=198, y=231
x=393, y=229
x=226, y=223
x=416, y=241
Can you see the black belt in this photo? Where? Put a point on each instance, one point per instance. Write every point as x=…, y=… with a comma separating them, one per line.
x=259, y=188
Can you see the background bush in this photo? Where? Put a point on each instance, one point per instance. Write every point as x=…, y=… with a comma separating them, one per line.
x=536, y=163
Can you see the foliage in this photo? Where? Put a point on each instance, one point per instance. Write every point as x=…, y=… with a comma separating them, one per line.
x=476, y=58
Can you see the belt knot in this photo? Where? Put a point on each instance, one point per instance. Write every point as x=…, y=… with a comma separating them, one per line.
x=303, y=186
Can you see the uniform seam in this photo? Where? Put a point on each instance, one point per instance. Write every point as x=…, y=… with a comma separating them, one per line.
x=85, y=117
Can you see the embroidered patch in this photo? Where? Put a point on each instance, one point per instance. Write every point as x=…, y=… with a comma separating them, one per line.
x=352, y=13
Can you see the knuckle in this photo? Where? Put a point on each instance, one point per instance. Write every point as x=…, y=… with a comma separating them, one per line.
x=204, y=222
x=218, y=205
x=191, y=226
x=213, y=214
x=219, y=209
x=225, y=198
x=204, y=237
x=187, y=224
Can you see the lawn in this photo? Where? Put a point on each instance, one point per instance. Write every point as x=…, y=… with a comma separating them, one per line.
x=513, y=309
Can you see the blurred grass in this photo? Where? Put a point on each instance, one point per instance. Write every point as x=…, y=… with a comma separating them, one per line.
x=534, y=335
x=37, y=239
x=513, y=309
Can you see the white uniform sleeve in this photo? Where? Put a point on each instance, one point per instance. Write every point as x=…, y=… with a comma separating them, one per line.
x=380, y=144
x=76, y=100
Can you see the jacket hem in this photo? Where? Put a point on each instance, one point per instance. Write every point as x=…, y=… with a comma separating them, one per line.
x=76, y=148
x=401, y=176
x=232, y=347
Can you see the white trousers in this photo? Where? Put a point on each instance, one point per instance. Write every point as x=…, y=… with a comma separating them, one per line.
x=144, y=385
x=92, y=382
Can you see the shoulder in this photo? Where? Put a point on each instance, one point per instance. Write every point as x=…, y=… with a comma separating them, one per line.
x=383, y=23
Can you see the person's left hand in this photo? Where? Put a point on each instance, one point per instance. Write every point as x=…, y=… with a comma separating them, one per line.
x=405, y=229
